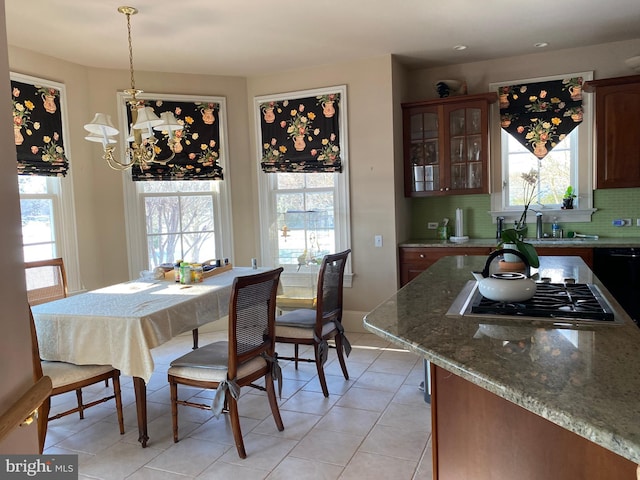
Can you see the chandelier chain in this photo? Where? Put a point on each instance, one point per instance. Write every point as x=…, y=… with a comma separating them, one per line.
x=133, y=81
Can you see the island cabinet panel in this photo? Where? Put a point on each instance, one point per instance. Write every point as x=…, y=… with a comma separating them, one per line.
x=478, y=435
x=415, y=260
x=585, y=253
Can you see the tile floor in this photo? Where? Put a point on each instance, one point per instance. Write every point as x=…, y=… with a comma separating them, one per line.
x=375, y=425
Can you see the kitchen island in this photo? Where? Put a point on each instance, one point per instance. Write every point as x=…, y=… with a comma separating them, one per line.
x=515, y=398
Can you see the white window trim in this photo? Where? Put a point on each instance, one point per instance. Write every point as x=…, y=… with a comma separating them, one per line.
x=584, y=174
x=66, y=234
x=134, y=203
x=341, y=209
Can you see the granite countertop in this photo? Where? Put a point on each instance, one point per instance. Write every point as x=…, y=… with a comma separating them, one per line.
x=584, y=379
x=550, y=242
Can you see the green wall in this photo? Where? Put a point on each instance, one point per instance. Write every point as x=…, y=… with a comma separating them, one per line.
x=611, y=204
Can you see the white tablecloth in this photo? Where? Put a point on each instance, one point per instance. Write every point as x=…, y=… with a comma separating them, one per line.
x=120, y=324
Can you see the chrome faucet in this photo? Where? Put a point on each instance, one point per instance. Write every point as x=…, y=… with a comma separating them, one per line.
x=539, y=233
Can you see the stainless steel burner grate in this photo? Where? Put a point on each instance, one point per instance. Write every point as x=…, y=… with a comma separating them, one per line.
x=552, y=300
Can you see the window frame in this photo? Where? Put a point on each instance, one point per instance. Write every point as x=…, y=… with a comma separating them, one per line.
x=135, y=220
x=583, y=168
x=60, y=189
x=267, y=183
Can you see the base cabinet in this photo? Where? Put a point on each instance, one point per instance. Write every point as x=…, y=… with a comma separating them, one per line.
x=415, y=260
x=479, y=435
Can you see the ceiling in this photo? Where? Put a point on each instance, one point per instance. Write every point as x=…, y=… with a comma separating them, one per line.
x=256, y=37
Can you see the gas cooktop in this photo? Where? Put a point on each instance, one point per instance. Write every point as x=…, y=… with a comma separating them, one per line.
x=559, y=303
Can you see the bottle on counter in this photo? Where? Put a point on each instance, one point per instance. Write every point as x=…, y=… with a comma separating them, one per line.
x=556, y=231
x=185, y=273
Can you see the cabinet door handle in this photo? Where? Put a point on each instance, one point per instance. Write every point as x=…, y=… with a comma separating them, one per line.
x=422, y=255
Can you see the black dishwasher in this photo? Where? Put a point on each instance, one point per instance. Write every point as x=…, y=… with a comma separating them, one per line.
x=619, y=270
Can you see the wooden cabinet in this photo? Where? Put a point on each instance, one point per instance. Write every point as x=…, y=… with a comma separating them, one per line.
x=415, y=260
x=446, y=145
x=617, y=103
x=478, y=435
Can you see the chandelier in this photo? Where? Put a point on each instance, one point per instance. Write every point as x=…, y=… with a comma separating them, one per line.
x=141, y=149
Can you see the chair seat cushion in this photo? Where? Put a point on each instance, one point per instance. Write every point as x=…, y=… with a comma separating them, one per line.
x=286, y=331
x=214, y=355
x=210, y=364
x=63, y=373
x=302, y=317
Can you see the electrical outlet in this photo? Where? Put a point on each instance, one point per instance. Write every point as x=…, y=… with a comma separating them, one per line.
x=434, y=225
x=377, y=241
x=637, y=222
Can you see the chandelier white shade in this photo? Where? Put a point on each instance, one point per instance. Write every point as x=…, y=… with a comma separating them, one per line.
x=141, y=149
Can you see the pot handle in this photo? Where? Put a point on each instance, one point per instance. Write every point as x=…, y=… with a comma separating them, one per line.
x=496, y=253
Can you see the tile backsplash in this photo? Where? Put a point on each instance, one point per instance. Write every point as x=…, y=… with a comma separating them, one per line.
x=611, y=204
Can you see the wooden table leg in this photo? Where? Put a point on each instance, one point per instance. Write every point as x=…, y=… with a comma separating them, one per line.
x=140, y=389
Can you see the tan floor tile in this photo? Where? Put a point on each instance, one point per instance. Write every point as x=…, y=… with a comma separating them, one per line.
x=326, y=446
x=395, y=442
x=387, y=382
x=264, y=452
x=222, y=470
x=300, y=468
x=348, y=420
x=377, y=467
x=309, y=402
x=118, y=461
x=188, y=457
x=296, y=425
x=365, y=399
x=407, y=417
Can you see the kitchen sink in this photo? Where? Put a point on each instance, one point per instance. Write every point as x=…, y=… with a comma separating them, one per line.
x=534, y=241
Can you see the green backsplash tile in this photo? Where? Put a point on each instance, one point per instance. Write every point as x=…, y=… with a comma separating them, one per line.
x=611, y=204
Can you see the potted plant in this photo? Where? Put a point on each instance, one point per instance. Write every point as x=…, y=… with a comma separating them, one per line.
x=511, y=236
x=567, y=199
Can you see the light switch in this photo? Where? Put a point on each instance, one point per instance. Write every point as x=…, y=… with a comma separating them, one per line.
x=377, y=241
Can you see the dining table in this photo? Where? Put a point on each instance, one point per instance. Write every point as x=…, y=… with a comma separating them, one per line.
x=120, y=324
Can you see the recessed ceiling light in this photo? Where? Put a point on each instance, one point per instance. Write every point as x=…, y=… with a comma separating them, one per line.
x=459, y=48
x=541, y=44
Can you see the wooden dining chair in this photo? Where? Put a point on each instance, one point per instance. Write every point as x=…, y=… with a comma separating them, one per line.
x=68, y=377
x=307, y=326
x=46, y=280
x=248, y=355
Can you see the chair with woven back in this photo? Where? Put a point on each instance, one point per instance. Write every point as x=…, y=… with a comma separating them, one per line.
x=46, y=280
x=307, y=326
x=247, y=356
x=68, y=377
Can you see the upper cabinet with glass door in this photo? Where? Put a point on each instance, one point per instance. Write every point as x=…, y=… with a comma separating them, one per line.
x=446, y=145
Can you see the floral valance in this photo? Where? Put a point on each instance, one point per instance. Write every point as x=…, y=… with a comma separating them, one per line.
x=301, y=134
x=540, y=115
x=37, y=128
x=197, y=145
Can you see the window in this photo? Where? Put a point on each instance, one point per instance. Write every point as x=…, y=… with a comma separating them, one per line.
x=48, y=225
x=569, y=163
x=304, y=215
x=46, y=202
x=555, y=171
x=178, y=220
